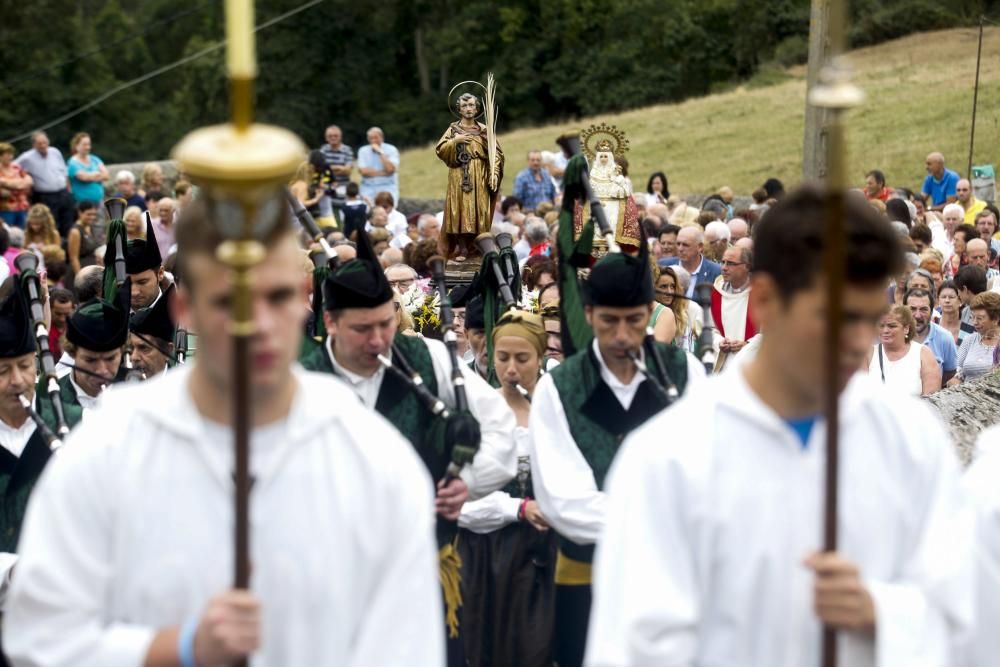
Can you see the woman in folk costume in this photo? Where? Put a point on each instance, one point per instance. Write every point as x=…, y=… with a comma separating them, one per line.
x=508, y=552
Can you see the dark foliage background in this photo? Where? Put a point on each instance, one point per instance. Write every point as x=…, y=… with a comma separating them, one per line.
x=392, y=63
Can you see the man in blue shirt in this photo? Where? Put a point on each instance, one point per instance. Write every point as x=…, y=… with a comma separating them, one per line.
x=378, y=163
x=934, y=336
x=534, y=184
x=941, y=183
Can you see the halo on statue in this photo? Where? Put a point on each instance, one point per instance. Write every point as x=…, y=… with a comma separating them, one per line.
x=469, y=87
x=603, y=137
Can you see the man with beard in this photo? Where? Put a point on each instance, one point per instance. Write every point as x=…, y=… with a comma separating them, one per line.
x=931, y=334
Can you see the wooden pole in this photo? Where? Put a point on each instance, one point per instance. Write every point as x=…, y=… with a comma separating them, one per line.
x=817, y=119
x=835, y=94
x=975, y=100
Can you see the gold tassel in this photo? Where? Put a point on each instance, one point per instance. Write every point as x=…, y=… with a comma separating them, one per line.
x=450, y=574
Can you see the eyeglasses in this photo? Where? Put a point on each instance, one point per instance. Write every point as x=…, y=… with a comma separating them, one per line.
x=726, y=262
x=402, y=285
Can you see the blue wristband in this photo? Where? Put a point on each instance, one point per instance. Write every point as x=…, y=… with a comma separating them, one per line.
x=185, y=642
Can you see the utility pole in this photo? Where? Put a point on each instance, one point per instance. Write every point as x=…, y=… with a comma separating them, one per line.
x=817, y=126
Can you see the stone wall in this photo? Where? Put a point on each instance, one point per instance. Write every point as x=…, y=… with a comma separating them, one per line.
x=967, y=410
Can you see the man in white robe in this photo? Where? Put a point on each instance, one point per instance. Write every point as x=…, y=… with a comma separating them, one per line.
x=711, y=552
x=127, y=550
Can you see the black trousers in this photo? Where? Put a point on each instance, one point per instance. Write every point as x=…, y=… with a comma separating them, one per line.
x=63, y=208
x=572, y=619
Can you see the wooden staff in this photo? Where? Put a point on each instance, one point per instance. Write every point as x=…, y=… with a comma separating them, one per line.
x=836, y=93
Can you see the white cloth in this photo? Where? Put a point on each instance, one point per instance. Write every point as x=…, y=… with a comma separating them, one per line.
x=496, y=461
x=981, y=482
x=64, y=365
x=902, y=375
x=561, y=478
x=734, y=307
x=87, y=402
x=623, y=392
x=7, y=563
x=397, y=225
x=14, y=440
x=129, y=531
x=499, y=508
x=701, y=562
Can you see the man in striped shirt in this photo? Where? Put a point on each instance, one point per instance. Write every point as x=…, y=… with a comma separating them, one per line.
x=339, y=157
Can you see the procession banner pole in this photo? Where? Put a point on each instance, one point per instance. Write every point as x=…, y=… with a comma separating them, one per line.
x=975, y=98
x=241, y=168
x=836, y=93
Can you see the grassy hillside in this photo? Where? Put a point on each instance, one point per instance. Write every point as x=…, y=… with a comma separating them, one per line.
x=919, y=92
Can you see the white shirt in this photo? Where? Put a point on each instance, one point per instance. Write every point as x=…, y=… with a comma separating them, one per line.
x=14, y=440
x=622, y=391
x=64, y=365
x=129, y=531
x=87, y=402
x=496, y=461
x=498, y=509
x=397, y=225
x=561, y=478
x=714, y=503
x=981, y=481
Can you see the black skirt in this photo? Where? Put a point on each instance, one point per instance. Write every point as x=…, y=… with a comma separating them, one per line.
x=508, y=596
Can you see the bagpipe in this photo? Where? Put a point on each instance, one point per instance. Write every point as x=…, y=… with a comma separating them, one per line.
x=30, y=285
x=461, y=430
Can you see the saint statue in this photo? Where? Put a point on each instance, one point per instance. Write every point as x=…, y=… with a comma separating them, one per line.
x=475, y=169
x=602, y=144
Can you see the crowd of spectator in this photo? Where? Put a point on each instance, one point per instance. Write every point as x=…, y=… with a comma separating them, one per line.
x=950, y=287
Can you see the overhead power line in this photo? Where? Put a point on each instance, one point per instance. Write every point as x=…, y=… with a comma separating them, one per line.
x=155, y=73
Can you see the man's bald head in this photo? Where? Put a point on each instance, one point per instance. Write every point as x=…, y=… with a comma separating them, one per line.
x=391, y=257
x=738, y=229
x=978, y=252
x=963, y=189
x=935, y=164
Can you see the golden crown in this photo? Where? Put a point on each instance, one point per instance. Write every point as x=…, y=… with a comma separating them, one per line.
x=603, y=138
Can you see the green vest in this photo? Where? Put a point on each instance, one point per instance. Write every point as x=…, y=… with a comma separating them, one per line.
x=598, y=422
x=72, y=409
x=401, y=407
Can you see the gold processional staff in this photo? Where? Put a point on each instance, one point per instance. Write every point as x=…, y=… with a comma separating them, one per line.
x=241, y=167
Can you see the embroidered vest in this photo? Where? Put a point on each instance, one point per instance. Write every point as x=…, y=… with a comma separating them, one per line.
x=596, y=419
x=401, y=407
x=72, y=410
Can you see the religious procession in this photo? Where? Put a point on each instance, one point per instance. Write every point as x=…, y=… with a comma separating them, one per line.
x=272, y=421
